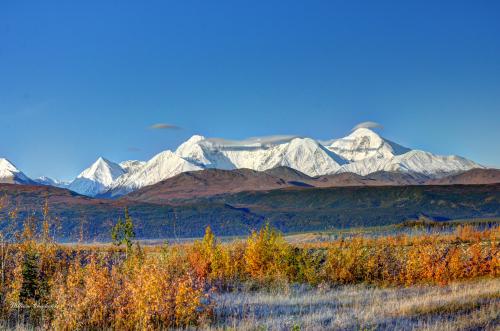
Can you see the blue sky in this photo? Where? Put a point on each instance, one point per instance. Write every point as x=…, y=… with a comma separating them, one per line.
x=84, y=79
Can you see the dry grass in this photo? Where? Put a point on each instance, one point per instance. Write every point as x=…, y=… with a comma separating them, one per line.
x=459, y=306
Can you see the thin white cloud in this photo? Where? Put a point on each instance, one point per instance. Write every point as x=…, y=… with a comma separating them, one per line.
x=164, y=126
x=368, y=125
x=253, y=141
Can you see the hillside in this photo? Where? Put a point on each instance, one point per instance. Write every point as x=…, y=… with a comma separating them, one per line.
x=290, y=209
x=474, y=176
x=210, y=182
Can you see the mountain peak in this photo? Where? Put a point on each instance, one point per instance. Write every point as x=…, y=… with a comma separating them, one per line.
x=195, y=138
x=188, y=144
x=102, y=161
x=364, y=132
x=10, y=174
x=103, y=170
x=47, y=181
x=6, y=165
x=191, y=141
x=162, y=166
x=97, y=178
x=363, y=143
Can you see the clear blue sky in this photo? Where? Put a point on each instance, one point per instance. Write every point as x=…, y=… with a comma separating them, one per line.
x=80, y=79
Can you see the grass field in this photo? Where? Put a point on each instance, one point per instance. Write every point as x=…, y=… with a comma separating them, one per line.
x=470, y=305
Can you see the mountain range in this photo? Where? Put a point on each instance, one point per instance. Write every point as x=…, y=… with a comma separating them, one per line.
x=363, y=152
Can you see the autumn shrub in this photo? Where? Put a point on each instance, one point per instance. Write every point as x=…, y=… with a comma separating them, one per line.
x=211, y=261
x=267, y=256
x=85, y=297
x=130, y=287
x=149, y=295
x=407, y=261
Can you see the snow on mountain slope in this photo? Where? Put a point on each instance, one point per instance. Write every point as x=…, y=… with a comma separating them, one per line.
x=364, y=143
x=11, y=175
x=414, y=161
x=131, y=165
x=47, y=181
x=204, y=153
x=97, y=178
x=162, y=166
x=432, y=165
x=303, y=154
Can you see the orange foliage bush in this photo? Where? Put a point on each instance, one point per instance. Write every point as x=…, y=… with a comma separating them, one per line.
x=143, y=296
x=411, y=260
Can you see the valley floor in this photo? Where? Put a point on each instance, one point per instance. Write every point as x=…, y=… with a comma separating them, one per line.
x=472, y=305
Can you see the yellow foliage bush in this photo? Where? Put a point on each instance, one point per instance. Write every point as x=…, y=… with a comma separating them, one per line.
x=266, y=255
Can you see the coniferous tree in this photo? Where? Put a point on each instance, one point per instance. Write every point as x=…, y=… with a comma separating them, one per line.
x=30, y=286
x=128, y=230
x=117, y=232
x=123, y=231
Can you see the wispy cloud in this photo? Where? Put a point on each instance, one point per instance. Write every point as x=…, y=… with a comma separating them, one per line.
x=164, y=126
x=253, y=141
x=368, y=125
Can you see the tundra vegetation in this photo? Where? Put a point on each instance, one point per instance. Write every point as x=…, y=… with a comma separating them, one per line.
x=442, y=280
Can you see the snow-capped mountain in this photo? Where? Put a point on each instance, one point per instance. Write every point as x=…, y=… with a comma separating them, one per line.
x=197, y=153
x=364, y=143
x=47, y=181
x=162, y=166
x=97, y=178
x=368, y=153
x=131, y=165
x=11, y=175
x=414, y=161
x=361, y=152
x=303, y=154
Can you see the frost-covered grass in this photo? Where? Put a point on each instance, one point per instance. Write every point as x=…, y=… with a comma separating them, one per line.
x=460, y=306
x=471, y=305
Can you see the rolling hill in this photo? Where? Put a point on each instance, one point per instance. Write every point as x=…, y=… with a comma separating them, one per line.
x=291, y=209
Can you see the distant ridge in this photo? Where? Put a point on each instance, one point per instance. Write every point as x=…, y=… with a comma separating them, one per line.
x=212, y=182
x=473, y=176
